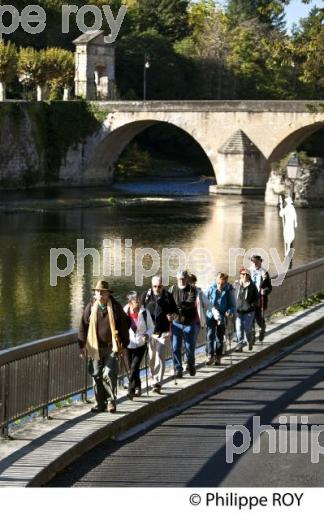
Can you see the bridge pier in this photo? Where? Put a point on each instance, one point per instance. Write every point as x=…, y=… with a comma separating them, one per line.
x=241, y=168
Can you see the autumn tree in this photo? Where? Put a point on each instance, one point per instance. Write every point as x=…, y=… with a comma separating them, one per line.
x=8, y=66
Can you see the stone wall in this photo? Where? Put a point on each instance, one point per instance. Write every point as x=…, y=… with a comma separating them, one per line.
x=22, y=160
x=45, y=144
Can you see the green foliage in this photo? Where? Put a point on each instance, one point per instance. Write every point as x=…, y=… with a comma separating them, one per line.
x=67, y=124
x=99, y=113
x=301, y=306
x=32, y=66
x=8, y=61
x=198, y=50
x=134, y=161
x=171, y=75
x=309, y=44
x=168, y=17
x=268, y=12
x=281, y=166
x=60, y=67
x=53, y=67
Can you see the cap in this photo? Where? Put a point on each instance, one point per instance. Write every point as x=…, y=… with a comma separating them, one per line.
x=182, y=274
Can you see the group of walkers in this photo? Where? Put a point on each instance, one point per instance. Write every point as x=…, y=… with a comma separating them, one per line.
x=163, y=317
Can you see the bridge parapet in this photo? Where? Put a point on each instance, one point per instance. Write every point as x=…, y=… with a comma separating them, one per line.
x=300, y=106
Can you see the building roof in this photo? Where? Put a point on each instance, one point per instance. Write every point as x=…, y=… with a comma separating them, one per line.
x=87, y=37
x=238, y=143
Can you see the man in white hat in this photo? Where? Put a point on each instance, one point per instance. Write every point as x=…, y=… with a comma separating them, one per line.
x=103, y=334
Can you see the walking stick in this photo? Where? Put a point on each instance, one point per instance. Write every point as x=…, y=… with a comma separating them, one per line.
x=122, y=358
x=146, y=369
x=174, y=368
x=262, y=316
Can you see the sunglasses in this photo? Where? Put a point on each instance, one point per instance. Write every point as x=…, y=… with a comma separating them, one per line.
x=157, y=286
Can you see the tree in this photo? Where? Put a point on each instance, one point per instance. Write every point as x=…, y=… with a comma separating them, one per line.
x=171, y=76
x=59, y=70
x=33, y=69
x=52, y=67
x=262, y=62
x=168, y=17
x=309, y=44
x=8, y=66
x=29, y=66
x=268, y=12
x=207, y=43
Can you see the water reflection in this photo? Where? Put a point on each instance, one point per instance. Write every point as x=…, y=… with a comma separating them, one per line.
x=30, y=308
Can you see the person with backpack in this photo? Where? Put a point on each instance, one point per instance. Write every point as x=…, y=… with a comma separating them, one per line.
x=262, y=280
x=220, y=296
x=140, y=330
x=162, y=308
x=183, y=327
x=247, y=298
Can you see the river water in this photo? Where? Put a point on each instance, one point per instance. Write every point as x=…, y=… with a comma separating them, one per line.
x=160, y=214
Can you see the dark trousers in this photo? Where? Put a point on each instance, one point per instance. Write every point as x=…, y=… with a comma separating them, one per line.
x=104, y=373
x=259, y=318
x=215, y=331
x=135, y=356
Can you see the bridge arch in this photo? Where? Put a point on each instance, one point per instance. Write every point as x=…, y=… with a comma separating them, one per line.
x=289, y=143
x=113, y=141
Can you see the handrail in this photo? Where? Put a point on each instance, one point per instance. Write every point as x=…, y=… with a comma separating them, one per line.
x=36, y=346
x=307, y=267
x=42, y=372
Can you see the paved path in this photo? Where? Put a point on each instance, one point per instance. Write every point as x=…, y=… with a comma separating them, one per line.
x=189, y=449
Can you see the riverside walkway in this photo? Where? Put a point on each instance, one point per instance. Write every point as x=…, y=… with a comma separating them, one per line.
x=37, y=452
x=189, y=450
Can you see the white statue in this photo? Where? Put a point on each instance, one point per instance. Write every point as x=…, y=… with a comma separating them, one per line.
x=289, y=220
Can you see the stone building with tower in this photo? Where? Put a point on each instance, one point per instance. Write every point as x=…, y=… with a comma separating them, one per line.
x=94, y=67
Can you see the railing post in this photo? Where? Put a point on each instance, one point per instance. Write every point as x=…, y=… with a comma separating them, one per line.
x=4, y=432
x=5, y=427
x=306, y=283
x=45, y=408
x=84, y=394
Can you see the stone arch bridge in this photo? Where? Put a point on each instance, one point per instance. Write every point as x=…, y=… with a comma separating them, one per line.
x=240, y=138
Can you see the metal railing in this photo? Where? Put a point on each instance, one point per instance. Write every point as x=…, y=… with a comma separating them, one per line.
x=35, y=375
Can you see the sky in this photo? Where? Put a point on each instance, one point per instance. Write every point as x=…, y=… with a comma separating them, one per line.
x=296, y=10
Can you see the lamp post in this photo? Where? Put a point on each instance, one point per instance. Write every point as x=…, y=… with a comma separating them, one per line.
x=147, y=65
x=293, y=168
